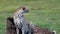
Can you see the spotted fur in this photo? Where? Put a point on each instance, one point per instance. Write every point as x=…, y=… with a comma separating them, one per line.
x=20, y=22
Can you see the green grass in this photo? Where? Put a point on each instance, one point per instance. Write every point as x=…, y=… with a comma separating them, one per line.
x=44, y=13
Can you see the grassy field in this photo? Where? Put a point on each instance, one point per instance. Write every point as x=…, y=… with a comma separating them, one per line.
x=44, y=13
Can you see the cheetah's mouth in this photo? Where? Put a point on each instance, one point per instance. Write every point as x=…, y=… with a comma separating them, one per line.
x=26, y=11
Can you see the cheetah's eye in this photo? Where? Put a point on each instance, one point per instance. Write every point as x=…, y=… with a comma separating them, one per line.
x=24, y=8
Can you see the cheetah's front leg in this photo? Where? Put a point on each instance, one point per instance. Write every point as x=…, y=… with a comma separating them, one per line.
x=17, y=30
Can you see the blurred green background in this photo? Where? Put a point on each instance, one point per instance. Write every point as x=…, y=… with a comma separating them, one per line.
x=44, y=13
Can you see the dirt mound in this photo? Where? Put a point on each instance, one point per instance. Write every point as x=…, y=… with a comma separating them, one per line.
x=11, y=29
x=38, y=30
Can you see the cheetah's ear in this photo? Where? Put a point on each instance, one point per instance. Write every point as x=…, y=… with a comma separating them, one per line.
x=22, y=7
